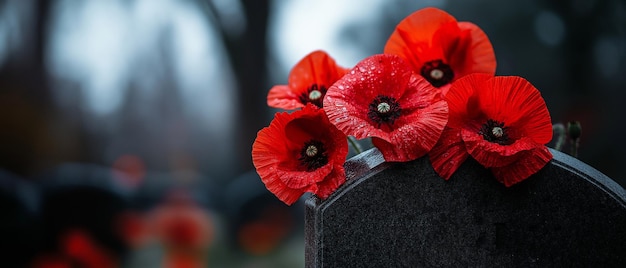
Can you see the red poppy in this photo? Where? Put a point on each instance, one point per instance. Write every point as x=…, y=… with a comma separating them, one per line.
x=440, y=48
x=300, y=152
x=308, y=82
x=501, y=121
x=382, y=98
x=80, y=246
x=181, y=224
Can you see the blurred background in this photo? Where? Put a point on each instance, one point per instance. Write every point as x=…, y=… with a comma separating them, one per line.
x=126, y=125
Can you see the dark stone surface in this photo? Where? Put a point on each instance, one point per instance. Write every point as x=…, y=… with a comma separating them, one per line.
x=404, y=215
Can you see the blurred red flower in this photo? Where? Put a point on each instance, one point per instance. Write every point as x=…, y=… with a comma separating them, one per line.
x=501, y=121
x=77, y=248
x=382, y=98
x=181, y=224
x=308, y=81
x=440, y=48
x=79, y=245
x=300, y=152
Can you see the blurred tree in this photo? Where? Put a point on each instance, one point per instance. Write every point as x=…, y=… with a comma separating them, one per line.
x=25, y=107
x=248, y=55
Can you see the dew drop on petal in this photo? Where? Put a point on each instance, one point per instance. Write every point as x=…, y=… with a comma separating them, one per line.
x=362, y=69
x=341, y=87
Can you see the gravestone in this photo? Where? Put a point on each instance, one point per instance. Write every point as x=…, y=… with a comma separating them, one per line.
x=405, y=215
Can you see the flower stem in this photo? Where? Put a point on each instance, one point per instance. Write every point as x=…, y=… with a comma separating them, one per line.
x=573, y=131
x=559, y=130
x=355, y=145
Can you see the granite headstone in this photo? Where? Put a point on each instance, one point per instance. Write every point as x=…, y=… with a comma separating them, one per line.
x=405, y=215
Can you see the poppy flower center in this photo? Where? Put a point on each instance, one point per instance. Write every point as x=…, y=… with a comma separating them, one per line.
x=496, y=132
x=384, y=110
x=383, y=107
x=311, y=150
x=437, y=73
x=314, y=94
x=313, y=155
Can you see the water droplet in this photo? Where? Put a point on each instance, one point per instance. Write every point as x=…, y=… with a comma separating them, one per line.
x=373, y=67
x=352, y=72
x=340, y=87
x=362, y=69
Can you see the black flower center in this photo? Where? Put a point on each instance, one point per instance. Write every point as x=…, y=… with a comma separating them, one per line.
x=496, y=132
x=314, y=94
x=313, y=155
x=437, y=73
x=384, y=110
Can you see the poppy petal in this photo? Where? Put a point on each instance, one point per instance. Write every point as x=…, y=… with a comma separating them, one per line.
x=301, y=179
x=281, y=191
x=421, y=115
x=449, y=153
x=431, y=39
x=503, y=123
x=491, y=154
x=347, y=101
x=413, y=36
x=315, y=68
x=516, y=102
x=281, y=96
x=316, y=71
x=267, y=156
x=279, y=159
x=463, y=102
x=426, y=115
x=327, y=187
x=473, y=53
x=529, y=164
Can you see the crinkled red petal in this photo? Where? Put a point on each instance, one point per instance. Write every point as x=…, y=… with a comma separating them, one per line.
x=275, y=152
x=463, y=102
x=296, y=178
x=316, y=68
x=448, y=154
x=471, y=53
x=331, y=183
x=530, y=163
x=513, y=101
x=268, y=151
x=424, y=113
x=281, y=96
x=491, y=154
x=347, y=101
x=432, y=34
x=517, y=103
x=412, y=38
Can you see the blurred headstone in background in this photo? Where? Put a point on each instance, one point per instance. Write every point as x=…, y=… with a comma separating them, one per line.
x=21, y=235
